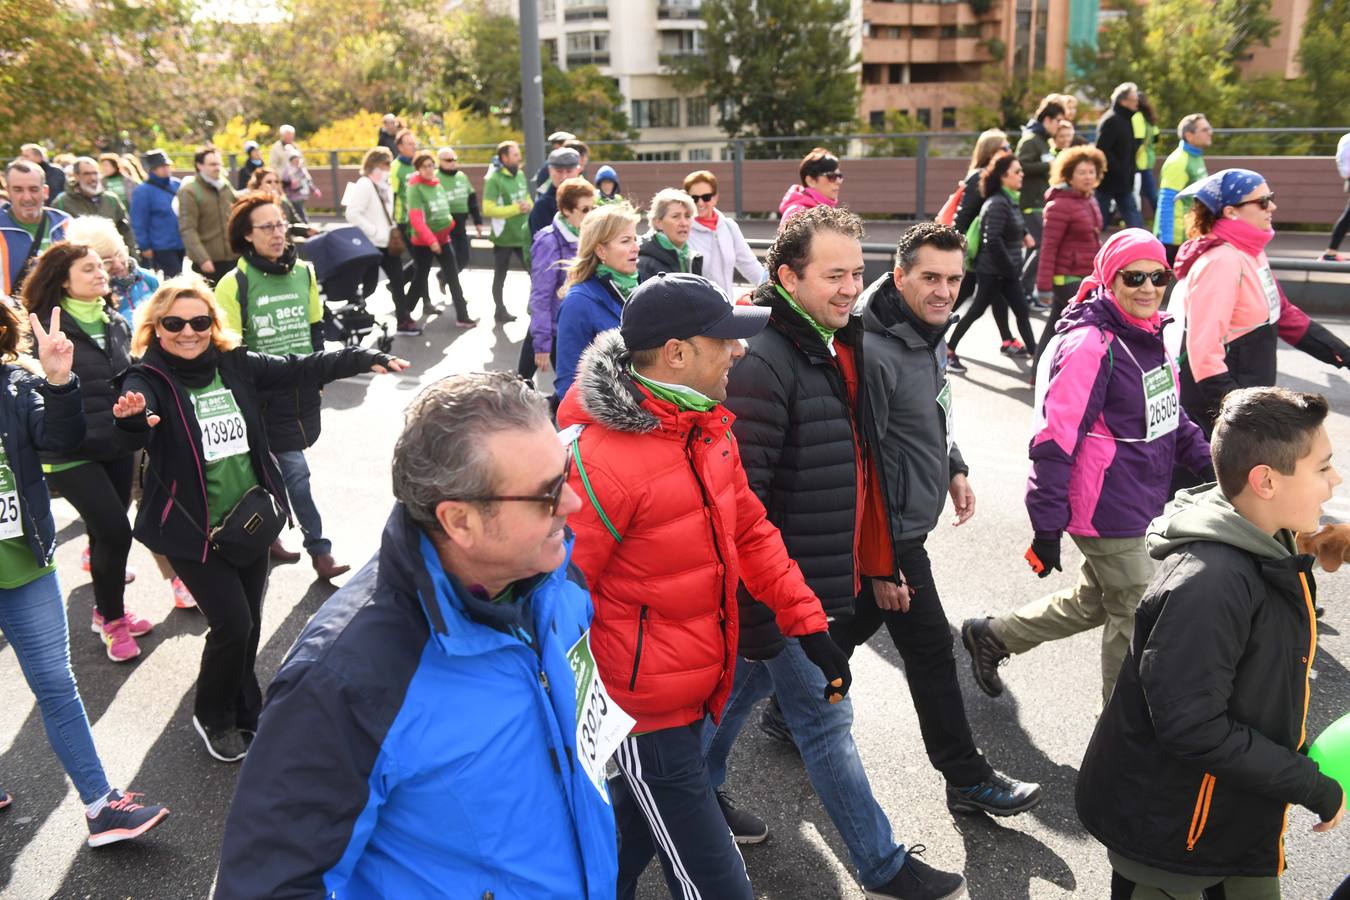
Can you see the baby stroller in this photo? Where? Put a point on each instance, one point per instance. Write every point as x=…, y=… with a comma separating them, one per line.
x=341, y=258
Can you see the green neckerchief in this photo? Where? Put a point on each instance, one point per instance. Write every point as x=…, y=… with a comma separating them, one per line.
x=569, y=226
x=506, y=596
x=1015, y=196
x=681, y=252
x=87, y=311
x=682, y=396
x=826, y=334
x=625, y=283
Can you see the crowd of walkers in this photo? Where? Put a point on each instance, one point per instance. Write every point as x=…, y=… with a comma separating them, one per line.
x=730, y=489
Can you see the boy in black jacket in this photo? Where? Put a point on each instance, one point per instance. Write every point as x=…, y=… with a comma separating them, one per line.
x=1195, y=761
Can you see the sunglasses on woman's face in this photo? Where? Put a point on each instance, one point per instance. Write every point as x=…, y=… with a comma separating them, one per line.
x=836, y=175
x=1133, y=279
x=175, y=324
x=1264, y=201
x=704, y=198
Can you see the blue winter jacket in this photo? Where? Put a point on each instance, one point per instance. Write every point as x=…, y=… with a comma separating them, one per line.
x=409, y=750
x=15, y=242
x=588, y=309
x=152, y=214
x=35, y=415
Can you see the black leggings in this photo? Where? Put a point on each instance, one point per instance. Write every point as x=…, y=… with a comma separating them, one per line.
x=1342, y=225
x=228, y=695
x=393, y=270
x=996, y=291
x=422, y=259
x=100, y=491
x=1063, y=294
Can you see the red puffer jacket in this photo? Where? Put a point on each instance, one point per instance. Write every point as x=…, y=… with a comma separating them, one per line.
x=680, y=529
x=1070, y=236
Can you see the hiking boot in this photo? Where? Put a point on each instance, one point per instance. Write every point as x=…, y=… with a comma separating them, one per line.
x=917, y=880
x=987, y=653
x=954, y=364
x=774, y=726
x=408, y=328
x=182, y=597
x=122, y=819
x=117, y=636
x=136, y=625
x=997, y=795
x=745, y=827
x=226, y=745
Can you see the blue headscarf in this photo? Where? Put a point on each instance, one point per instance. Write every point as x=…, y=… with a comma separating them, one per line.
x=1225, y=188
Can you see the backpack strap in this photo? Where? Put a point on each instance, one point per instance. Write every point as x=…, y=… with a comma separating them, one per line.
x=575, y=450
x=241, y=280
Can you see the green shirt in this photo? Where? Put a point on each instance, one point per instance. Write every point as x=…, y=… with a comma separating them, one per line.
x=17, y=566
x=501, y=192
x=280, y=308
x=433, y=202
x=229, y=466
x=398, y=183
x=457, y=188
x=32, y=229
x=681, y=252
x=116, y=184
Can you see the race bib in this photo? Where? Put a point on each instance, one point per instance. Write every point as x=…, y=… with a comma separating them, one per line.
x=1162, y=402
x=11, y=526
x=224, y=433
x=601, y=725
x=944, y=400
x=1272, y=292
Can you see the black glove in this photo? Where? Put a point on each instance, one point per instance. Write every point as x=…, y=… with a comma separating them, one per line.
x=827, y=657
x=1043, y=555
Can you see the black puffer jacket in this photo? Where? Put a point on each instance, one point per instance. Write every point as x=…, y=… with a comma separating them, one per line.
x=173, y=509
x=653, y=258
x=971, y=201
x=1116, y=140
x=100, y=371
x=796, y=431
x=1200, y=748
x=1002, y=228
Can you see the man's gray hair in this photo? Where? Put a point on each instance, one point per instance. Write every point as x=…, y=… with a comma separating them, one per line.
x=26, y=167
x=442, y=454
x=286, y=129
x=83, y=161
x=1122, y=90
x=1189, y=124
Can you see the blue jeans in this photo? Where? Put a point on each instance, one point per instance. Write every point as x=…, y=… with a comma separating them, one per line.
x=1124, y=204
x=295, y=472
x=33, y=620
x=824, y=734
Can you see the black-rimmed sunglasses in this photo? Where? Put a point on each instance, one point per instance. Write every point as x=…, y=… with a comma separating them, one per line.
x=1264, y=201
x=1134, y=279
x=704, y=198
x=550, y=499
x=175, y=324
x=836, y=175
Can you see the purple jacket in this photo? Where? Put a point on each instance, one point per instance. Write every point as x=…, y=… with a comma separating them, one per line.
x=1092, y=474
x=551, y=247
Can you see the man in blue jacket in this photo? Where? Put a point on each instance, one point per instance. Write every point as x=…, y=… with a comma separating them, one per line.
x=154, y=218
x=27, y=225
x=422, y=737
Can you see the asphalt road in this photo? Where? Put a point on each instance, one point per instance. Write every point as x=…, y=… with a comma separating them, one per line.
x=1036, y=731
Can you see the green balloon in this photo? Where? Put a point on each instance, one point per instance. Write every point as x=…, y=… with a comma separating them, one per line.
x=1331, y=751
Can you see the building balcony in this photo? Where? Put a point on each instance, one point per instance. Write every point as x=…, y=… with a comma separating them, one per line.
x=585, y=13
x=584, y=58
x=923, y=13
x=678, y=9
x=669, y=57
x=924, y=50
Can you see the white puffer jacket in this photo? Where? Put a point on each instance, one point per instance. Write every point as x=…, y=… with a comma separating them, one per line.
x=361, y=203
x=725, y=253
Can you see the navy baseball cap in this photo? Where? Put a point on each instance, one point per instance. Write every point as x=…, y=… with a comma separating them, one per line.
x=678, y=306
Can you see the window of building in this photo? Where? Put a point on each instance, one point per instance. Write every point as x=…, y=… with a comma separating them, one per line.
x=659, y=156
x=548, y=50
x=924, y=117
x=896, y=73
x=681, y=43
x=877, y=118
x=700, y=154
x=582, y=10
x=949, y=117
x=873, y=73
x=664, y=113
x=586, y=48
x=678, y=9
x=696, y=111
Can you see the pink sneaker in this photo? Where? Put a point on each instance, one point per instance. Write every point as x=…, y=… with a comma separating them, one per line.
x=136, y=626
x=121, y=645
x=182, y=597
x=128, y=576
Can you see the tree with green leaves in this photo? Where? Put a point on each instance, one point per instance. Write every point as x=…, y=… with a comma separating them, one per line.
x=776, y=68
x=1325, y=80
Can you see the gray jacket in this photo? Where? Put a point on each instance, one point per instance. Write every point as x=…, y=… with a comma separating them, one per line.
x=906, y=427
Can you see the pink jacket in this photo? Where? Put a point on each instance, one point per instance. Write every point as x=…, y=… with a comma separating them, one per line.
x=798, y=198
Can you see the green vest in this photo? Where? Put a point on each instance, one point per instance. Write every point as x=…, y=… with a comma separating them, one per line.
x=457, y=188
x=280, y=308
x=433, y=202
x=503, y=189
x=398, y=183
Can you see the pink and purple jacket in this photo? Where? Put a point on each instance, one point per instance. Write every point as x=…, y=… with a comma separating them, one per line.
x=1092, y=474
x=799, y=197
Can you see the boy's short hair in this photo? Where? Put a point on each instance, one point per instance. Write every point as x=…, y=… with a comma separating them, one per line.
x=1263, y=426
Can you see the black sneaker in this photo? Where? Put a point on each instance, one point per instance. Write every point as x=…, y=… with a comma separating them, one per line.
x=503, y=316
x=123, y=819
x=745, y=827
x=226, y=745
x=774, y=726
x=987, y=653
x=997, y=795
x=954, y=364
x=408, y=327
x=919, y=881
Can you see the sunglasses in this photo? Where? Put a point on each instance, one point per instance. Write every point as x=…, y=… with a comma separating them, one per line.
x=704, y=198
x=1265, y=201
x=836, y=175
x=175, y=324
x=551, y=499
x=1133, y=279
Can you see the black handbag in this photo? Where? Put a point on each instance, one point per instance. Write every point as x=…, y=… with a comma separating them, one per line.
x=249, y=528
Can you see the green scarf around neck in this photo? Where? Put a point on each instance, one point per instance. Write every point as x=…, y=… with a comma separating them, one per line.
x=1015, y=196
x=572, y=229
x=684, y=397
x=625, y=283
x=826, y=334
x=681, y=252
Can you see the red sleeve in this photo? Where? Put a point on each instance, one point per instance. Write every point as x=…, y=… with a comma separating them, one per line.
x=418, y=220
x=1293, y=323
x=1052, y=232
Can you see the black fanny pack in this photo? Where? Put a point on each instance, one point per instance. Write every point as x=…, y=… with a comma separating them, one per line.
x=249, y=528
